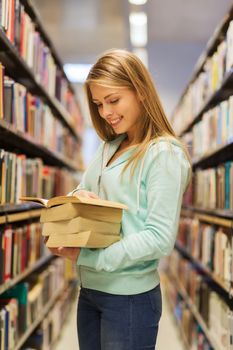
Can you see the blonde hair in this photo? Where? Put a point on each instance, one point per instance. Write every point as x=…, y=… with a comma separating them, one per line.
x=120, y=68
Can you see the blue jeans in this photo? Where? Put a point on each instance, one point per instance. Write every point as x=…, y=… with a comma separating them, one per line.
x=118, y=322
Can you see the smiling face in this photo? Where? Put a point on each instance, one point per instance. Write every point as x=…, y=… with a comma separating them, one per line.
x=118, y=106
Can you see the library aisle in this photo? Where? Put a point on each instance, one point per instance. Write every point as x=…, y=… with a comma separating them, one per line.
x=168, y=337
x=46, y=135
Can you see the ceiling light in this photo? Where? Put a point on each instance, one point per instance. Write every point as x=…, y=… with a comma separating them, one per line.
x=137, y=2
x=77, y=73
x=138, y=28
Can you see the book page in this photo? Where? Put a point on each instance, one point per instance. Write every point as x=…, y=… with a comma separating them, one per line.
x=35, y=199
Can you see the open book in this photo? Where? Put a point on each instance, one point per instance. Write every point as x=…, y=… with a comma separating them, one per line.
x=48, y=203
x=69, y=211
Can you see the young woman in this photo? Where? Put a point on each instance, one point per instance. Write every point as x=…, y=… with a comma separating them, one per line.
x=142, y=164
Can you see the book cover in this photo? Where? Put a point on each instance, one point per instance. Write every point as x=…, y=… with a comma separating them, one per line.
x=86, y=239
x=48, y=203
x=19, y=292
x=80, y=224
x=71, y=210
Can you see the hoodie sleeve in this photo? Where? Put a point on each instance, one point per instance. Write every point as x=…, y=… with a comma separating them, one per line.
x=166, y=180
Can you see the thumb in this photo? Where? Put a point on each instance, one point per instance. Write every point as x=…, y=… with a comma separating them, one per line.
x=93, y=195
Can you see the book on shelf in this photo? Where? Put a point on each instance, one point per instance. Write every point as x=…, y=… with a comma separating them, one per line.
x=23, y=303
x=9, y=322
x=214, y=187
x=210, y=304
x=229, y=38
x=213, y=131
x=19, y=292
x=20, y=248
x=210, y=245
x=22, y=176
x=209, y=78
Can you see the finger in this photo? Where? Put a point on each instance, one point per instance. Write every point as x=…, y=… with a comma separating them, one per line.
x=93, y=195
x=60, y=250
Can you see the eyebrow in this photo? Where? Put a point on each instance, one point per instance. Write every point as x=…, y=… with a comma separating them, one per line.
x=95, y=100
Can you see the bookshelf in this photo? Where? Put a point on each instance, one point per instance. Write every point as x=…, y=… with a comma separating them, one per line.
x=220, y=155
x=27, y=214
x=222, y=93
x=12, y=137
x=202, y=315
x=40, y=263
x=209, y=273
x=218, y=217
x=18, y=69
x=203, y=120
x=43, y=313
x=48, y=158
x=211, y=47
x=211, y=337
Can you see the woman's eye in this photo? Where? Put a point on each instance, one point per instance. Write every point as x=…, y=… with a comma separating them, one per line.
x=114, y=101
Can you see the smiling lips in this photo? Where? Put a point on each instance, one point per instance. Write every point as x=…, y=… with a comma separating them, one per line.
x=115, y=122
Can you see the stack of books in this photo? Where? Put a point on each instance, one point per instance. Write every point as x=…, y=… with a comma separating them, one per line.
x=70, y=221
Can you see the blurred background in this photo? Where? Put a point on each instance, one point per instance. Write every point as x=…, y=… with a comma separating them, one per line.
x=168, y=36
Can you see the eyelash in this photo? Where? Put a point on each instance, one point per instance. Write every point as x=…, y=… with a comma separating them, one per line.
x=114, y=101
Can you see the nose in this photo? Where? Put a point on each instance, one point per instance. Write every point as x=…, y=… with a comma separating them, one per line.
x=106, y=111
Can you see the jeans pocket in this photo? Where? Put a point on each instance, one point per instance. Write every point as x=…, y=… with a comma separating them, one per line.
x=156, y=300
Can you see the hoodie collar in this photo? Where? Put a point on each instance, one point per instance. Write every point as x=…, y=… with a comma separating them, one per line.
x=110, y=148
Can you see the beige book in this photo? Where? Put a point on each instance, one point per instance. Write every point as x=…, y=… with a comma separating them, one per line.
x=35, y=292
x=80, y=224
x=48, y=203
x=86, y=239
x=71, y=210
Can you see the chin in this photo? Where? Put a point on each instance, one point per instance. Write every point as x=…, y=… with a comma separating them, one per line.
x=119, y=131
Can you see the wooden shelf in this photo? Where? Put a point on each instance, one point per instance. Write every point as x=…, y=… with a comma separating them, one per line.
x=12, y=137
x=39, y=319
x=208, y=218
x=223, y=92
x=20, y=216
x=213, y=158
x=18, y=69
x=211, y=47
x=211, y=338
x=12, y=208
x=9, y=284
x=216, y=279
x=213, y=213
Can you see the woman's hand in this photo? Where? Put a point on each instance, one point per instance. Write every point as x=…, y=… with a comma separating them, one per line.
x=86, y=194
x=69, y=253
x=66, y=252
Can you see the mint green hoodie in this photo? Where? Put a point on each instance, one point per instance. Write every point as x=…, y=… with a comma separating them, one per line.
x=153, y=196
